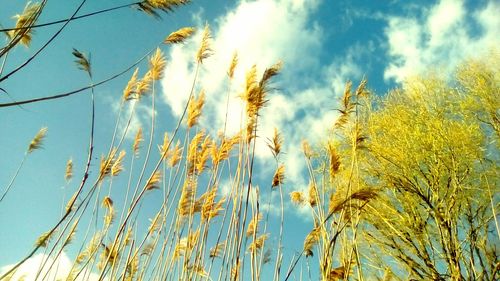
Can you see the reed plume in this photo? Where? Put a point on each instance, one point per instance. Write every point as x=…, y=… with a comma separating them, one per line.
x=69, y=170
x=195, y=107
x=137, y=142
x=179, y=36
x=37, y=141
x=297, y=197
x=232, y=66
x=157, y=65
x=23, y=23
x=279, y=176
x=129, y=92
x=154, y=180
x=205, y=50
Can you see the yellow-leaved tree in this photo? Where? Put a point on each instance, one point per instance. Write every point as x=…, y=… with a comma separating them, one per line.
x=407, y=186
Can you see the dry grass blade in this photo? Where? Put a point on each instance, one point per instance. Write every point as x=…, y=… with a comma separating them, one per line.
x=205, y=50
x=306, y=148
x=157, y=65
x=337, y=273
x=222, y=153
x=334, y=160
x=217, y=250
x=311, y=240
x=137, y=142
x=198, y=270
x=210, y=208
x=107, y=164
x=176, y=155
x=186, y=201
x=179, y=36
x=69, y=170
x=232, y=66
x=347, y=106
x=117, y=166
x=269, y=73
x=110, y=211
x=154, y=181
x=275, y=143
x=24, y=21
x=144, y=85
x=297, y=197
x=129, y=92
x=313, y=194
x=195, y=109
x=186, y=244
x=152, y=7
x=155, y=224
x=258, y=243
x=44, y=239
x=279, y=176
x=164, y=148
x=71, y=234
x=37, y=141
x=338, y=203
x=82, y=61
x=253, y=225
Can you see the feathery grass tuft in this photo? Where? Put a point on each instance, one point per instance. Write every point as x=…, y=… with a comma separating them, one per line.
x=153, y=182
x=194, y=109
x=130, y=90
x=37, y=141
x=205, y=50
x=232, y=66
x=82, y=61
x=179, y=36
x=157, y=65
x=137, y=142
x=279, y=176
x=69, y=170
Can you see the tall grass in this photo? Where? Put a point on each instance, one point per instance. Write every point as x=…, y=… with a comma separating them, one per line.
x=400, y=190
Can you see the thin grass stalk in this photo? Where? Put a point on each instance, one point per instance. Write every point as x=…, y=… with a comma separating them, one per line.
x=122, y=226
x=80, y=189
x=249, y=185
x=11, y=182
x=171, y=228
x=279, y=255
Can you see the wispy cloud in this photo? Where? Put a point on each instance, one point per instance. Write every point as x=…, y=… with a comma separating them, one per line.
x=440, y=38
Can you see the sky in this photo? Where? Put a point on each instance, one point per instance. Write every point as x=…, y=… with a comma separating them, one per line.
x=321, y=43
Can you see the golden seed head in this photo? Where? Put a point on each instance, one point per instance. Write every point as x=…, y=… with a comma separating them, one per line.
x=69, y=170
x=232, y=66
x=179, y=36
x=157, y=65
x=37, y=141
x=130, y=90
x=205, y=50
x=279, y=176
x=137, y=142
x=195, y=107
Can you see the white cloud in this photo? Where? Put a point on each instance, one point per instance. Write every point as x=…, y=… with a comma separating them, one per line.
x=59, y=271
x=264, y=32
x=439, y=40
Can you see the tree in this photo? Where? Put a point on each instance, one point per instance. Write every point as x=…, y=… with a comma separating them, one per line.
x=434, y=159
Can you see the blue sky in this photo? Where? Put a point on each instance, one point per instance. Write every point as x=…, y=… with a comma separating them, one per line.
x=322, y=44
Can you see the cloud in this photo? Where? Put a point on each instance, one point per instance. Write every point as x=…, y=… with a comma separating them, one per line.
x=301, y=107
x=59, y=271
x=441, y=38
